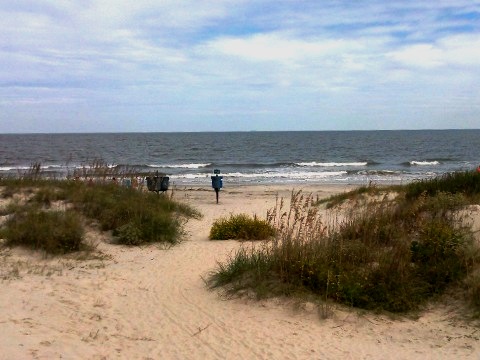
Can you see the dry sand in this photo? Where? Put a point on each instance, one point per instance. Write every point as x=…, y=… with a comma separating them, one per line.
x=152, y=303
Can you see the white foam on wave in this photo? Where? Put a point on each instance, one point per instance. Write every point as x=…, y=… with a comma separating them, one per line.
x=25, y=167
x=10, y=168
x=180, y=166
x=331, y=164
x=289, y=175
x=424, y=163
x=108, y=166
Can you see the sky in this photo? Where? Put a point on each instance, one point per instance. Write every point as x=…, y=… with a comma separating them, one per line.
x=238, y=65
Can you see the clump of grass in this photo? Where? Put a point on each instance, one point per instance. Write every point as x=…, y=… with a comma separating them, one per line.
x=467, y=182
x=56, y=232
x=389, y=255
x=47, y=194
x=241, y=227
x=148, y=227
x=134, y=217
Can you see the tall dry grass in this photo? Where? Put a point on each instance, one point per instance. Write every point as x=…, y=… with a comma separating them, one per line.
x=135, y=217
x=386, y=254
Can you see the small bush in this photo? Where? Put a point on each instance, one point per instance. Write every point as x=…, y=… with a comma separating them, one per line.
x=134, y=217
x=149, y=227
x=56, y=232
x=129, y=234
x=438, y=254
x=241, y=227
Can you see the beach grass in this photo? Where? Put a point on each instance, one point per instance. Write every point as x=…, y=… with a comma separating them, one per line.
x=241, y=227
x=135, y=217
x=379, y=253
x=55, y=232
x=464, y=182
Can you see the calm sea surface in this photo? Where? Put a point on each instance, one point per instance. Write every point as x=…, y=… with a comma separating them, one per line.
x=350, y=157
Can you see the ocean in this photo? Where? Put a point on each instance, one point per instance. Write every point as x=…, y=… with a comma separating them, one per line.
x=332, y=157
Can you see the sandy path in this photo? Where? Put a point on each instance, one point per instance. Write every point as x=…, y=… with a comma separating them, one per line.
x=149, y=303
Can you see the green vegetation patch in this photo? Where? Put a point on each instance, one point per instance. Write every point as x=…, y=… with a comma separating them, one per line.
x=133, y=216
x=241, y=227
x=391, y=254
x=56, y=232
x=465, y=182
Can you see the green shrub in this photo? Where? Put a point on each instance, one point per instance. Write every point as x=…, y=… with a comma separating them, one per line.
x=134, y=217
x=149, y=227
x=438, y=254
x=56, y=232
x=386, y=255
x=242, y=227
x=129, y=234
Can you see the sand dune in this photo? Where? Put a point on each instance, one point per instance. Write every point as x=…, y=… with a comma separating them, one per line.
x=152, y=303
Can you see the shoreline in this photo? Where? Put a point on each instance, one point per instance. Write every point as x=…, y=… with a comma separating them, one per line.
x=151, y=302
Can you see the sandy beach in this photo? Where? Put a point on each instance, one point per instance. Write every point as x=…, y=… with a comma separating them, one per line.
x=152, y=303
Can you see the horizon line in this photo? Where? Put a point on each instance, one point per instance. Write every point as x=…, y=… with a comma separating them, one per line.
x=224, y=131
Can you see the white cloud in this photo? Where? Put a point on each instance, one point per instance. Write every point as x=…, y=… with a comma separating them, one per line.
x=459, y=50
x=239, y=57
x=421, y=55
x=277, y=48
